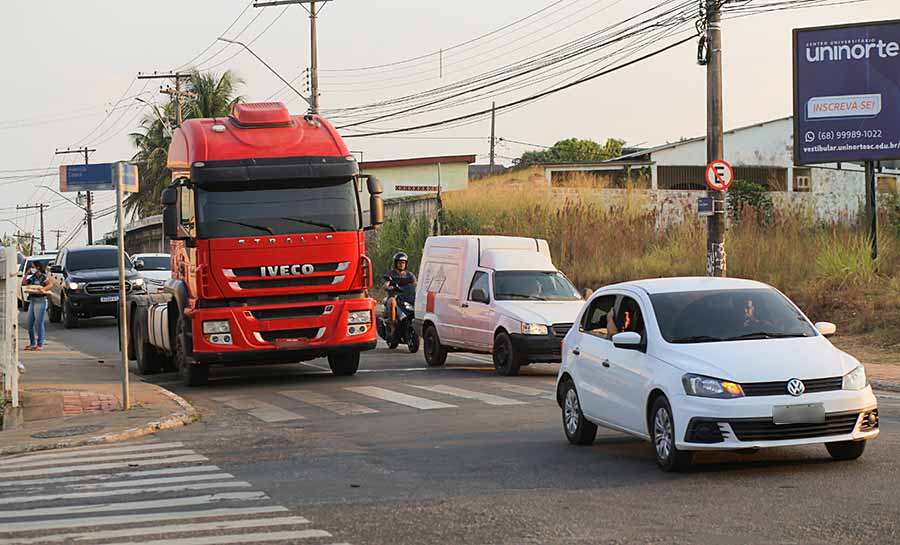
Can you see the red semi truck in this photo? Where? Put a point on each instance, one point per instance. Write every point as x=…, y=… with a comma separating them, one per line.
x=266, y=224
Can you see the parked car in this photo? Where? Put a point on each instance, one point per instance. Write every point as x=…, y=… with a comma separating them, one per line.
x=86, y=283
x=155, y=269
x=710, y=364
x=21, y=300
x=495, y=295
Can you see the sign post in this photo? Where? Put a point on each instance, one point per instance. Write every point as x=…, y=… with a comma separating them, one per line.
x=847, y=99
x=120, y=177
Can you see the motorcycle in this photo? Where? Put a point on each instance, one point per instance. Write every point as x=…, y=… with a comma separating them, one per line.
x=399, y=331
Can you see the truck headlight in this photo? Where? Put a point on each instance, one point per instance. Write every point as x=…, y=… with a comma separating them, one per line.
x=700, y=386
x=216, y=326
x=359, y=317
x=855, y=379
x=534, y=329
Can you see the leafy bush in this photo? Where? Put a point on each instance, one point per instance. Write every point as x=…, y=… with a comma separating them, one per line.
x=401, y=233
x=744, y=197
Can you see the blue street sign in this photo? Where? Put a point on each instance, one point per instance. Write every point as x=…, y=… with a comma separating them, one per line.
x=847, y=93
x=98, y=177
x=705, y=206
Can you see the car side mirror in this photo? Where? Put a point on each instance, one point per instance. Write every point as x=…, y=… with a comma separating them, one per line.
x=627, y=340
x=827, y=329
x=56, y=269
x=480, y=296
x=139, y=264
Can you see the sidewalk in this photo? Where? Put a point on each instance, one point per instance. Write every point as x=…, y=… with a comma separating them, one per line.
x=71, y=399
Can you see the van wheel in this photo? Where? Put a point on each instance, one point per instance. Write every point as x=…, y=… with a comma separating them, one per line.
x=54, y=313
x=506, y=361
x=69, y=319
x=435, y=353
x=192, y=373
x=344, y=365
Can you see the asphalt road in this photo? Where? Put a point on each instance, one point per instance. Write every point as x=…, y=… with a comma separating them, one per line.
x=400, y=454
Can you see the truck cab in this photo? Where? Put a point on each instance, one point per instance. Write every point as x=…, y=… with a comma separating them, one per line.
x=267, y=237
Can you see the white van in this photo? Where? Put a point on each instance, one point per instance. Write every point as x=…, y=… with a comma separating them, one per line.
x=493, y=295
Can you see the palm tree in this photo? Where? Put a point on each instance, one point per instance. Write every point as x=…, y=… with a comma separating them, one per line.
x=213, y=96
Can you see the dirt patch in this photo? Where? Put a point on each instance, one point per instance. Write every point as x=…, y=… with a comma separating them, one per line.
x=866, y=352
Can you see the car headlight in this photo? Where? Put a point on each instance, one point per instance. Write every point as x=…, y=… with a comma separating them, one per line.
x=73, y=285
x=408, y=307
x=216, y=326
x=856, y=379
x=138, y=282
x=700, y=386
x=534, y=329
x=359, y=317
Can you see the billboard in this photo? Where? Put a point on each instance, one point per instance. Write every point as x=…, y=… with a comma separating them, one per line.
x=98, y=177
x=847, y=93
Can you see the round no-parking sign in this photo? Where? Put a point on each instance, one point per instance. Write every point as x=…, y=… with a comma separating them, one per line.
x=719, y=175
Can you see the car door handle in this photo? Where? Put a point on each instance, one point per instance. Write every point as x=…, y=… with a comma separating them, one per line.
x=464, y=305
x=605, y=363
x=576, y=352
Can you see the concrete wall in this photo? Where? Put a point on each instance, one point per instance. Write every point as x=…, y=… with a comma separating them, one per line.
x=452, y=176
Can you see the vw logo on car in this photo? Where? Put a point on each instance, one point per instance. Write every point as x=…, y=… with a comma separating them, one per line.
x=795, y=387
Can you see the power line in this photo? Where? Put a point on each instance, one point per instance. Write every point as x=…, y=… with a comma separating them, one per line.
x=212, y=43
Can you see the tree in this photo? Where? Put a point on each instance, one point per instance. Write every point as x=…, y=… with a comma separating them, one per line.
x=215, y=94
x=573, y=150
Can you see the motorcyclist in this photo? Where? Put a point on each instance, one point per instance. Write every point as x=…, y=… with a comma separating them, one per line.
x=398, y=282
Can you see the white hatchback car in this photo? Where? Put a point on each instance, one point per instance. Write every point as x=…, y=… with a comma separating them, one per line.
x=710, y=364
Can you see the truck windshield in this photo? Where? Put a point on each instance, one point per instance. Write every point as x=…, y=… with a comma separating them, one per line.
x=282, y=209
x=533, y=286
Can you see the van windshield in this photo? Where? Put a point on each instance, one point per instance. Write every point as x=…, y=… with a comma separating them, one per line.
x=533, y=286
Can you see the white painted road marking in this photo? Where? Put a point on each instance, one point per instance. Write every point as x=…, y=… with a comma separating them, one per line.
x=262, y=410
x=124, y=492
x=327, y=402
x=98, y=467
x=240, y=538
x=110, y=476
x=78, y=453
x=108, y=458
x=490, y=399
x=525, y=390
x=146, y=482
x=400, y=398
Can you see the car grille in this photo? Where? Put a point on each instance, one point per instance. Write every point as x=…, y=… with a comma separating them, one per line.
x=272, y=336
x=560, y=330
x=289, y=313
x=105, y=288
x=780, y=387
x=764, y=429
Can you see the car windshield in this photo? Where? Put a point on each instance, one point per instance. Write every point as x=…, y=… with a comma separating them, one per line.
x=728, y=315
x=533, y=286
x=107, y=258
x=282, y=209
x=155, y=262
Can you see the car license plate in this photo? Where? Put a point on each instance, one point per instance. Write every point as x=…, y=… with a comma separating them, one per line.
x=109, y=299
x=811, y=413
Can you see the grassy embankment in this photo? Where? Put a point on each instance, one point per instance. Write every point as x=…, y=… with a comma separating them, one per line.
x=826, y=269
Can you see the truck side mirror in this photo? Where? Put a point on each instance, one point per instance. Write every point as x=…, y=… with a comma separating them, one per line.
x=376, y=210
x=169, y=196
x=170, y=221
x=374, y=185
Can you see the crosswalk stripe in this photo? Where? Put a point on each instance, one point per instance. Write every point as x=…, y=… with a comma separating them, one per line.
x=83, y=522
x=98, y=467
x=124, y=492
x=107, y=458
x=490, y=399
x=262, y=410
x=525, y=390
x=153, y=530
x=110, y=476
x=133, y=505
x=146, y=482
x=342, y=408
x=237, y=538
x=77, y=453
x=400, y=398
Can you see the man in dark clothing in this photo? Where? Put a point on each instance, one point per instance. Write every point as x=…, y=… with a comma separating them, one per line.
x=398, y=282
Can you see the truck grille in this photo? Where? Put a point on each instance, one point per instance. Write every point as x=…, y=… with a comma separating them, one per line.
x=290, y=282
x=764, y=429
x=105, y=288
x=272, y=336
x=289, y=313
x=780, y=387
x=253, y=272
x=560, y=330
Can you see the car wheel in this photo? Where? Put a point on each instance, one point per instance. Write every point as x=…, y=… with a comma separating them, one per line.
x=412, y=344
x=846, y=450
x=506, y=361
x=192, y=373
x=344, y=365
x=69, y=319
x=149, y=360
x=54, y=313
x=662, y=437
x=435, y=353
x=579, y=431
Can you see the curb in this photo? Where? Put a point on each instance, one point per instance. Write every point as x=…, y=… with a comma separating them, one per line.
x=886, y=385
x=186, y=416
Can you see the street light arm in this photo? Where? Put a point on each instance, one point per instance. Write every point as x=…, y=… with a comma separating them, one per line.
x=63, y=196
x=286, y=82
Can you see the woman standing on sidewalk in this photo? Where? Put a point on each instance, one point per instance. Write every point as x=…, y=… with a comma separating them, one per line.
x=39, y=284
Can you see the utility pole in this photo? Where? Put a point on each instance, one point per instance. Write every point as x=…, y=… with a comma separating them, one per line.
x=872, y=207
x=89, y=214
x=715, y=139
x=493, y=129
x=313, y=44
x=29, y=237
x=176, y=92
x=40, y=207
x=58, y=233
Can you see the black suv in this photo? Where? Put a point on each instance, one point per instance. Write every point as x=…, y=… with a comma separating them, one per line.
x=86, y=283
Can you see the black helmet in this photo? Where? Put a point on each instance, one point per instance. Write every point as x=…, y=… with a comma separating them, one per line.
x=400, y=256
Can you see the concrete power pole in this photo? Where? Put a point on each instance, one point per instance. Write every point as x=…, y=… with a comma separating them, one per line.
x=40, y=207
x=88, y=213
x=493, y=134
x=715, y=140
x=58, y=233
x=176, y=92
x=313, y=44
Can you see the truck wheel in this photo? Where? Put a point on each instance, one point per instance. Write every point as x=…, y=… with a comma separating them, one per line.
x=70, y=321
x=506, y=361
x=192, y=373
x=344, y=365
x=149, y=360
x=54, y=313
x=435, y=353
x=412, y=344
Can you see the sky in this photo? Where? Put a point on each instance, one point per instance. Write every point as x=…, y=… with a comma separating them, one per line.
x=69, y=76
